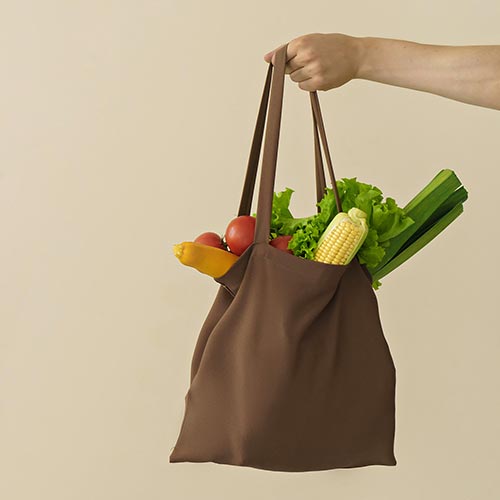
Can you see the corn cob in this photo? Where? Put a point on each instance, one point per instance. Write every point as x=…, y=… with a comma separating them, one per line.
x=342, y=238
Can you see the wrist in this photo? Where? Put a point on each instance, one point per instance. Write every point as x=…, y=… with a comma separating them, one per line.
x=363, y=48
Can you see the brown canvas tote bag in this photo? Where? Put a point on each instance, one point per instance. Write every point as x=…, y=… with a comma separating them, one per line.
x=291, y=370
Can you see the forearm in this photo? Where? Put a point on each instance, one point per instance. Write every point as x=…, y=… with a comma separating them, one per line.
x=469, y=74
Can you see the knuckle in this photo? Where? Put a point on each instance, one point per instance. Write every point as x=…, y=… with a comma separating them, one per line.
x=307, y=85
x=319, y=80
x=315, y=68
x=308, y=54
x=300, y=41
x=319, y=83
x=304, y=42
x=307, y=39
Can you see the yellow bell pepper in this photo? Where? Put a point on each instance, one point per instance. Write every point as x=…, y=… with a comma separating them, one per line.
x=207, y=259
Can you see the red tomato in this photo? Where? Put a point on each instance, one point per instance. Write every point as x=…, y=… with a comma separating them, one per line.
x=240, y=233
x=281, y=243
x=210, y=239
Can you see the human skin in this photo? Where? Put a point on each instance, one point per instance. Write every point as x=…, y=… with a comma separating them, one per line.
x=324, y=61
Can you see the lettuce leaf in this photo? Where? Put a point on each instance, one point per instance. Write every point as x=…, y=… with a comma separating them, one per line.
x=282, y=221
x=385, y=220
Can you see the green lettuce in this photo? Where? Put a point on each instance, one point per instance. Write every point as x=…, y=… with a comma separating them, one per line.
x=385, y=220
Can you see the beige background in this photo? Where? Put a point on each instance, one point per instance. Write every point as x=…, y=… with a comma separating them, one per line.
x=125, y=127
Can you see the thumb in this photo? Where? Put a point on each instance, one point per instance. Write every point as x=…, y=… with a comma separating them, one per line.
x=269, y=56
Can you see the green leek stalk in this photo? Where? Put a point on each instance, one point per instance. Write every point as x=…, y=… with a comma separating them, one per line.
x=420, y=242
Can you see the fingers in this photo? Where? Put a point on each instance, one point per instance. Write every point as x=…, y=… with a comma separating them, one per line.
x=293, y=65
x=270, y=56
x=297, y=70
x=291, y=51
x=309, y=85
x=300, y=74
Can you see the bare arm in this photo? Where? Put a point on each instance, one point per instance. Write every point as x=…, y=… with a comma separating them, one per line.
x=470, y=74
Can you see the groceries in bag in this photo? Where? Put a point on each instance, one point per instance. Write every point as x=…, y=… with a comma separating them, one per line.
x=205, y=258
x=381, y=234
x=342, y=238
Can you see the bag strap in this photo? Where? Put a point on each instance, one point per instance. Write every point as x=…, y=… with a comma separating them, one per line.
x=251, y=172
x=253, y=160
x=273, y=93
x=320, y=172
x=318, y=160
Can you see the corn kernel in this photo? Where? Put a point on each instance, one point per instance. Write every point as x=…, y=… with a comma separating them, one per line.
x=342, y=238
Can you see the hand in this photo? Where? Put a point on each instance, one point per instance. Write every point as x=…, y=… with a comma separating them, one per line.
x=321, y=61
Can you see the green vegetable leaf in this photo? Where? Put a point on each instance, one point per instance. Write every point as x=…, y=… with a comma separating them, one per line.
x=385, y=219
x=371, y=252
x=389, y=220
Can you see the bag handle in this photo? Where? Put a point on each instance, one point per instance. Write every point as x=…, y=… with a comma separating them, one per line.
x=251, y=173
x=274, y=87
x=318, y=160
x=320, y=171
x=253, y=160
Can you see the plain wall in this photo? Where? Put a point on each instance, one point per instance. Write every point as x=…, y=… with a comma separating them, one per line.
x=125, y=127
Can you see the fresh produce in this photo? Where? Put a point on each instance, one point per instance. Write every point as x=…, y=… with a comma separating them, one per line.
x=281, y=243
x=378, y=232
x=420, y=242
x=342, y=238
x=433, y=208
x=210, y=239
x=394, y=233
x=420, y=209
x=385, y=220
x=240, y=233
x=206, y=259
